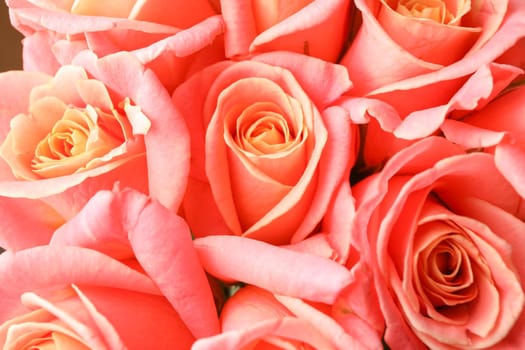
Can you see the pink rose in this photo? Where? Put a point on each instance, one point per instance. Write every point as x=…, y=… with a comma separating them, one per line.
x=63, y=138
x=442, y=232
x=268, y=149
x=126, y=224
x=317, y=28
x=497, y=128
x=168, y=40
x=426, y=61
x=77, y=298
x=256, y=318
x=417, y=45
x=123, y=273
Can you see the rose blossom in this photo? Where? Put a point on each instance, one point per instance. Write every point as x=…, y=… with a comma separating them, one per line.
x=168, y=40
x=268, y=151
x=317, y=28
x=68, y=136
x=107, y=281
x=81, y=299
x=427, y=59
x=430, y=42
x=442, y=232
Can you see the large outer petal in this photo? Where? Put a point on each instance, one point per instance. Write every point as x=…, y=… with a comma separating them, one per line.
x=128, y=224
x=421, y=119
x=497, y=124
x=276, y=269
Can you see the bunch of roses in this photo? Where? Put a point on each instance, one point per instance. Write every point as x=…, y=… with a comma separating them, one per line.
x=252, y=174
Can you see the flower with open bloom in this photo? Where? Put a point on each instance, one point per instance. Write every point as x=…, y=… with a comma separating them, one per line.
x=427, y=60
x=269, y=148
x=122, y=273
x=65, y=137
x=442, y=231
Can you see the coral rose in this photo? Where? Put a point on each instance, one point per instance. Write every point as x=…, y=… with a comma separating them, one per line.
x=268, y=150
x=427, y=60
x=442, y=231
x=106, y=275
x=68, y=136
x=429, y=41
x=82, y=299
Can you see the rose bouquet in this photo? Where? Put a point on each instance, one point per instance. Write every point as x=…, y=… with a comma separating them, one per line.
x=229, y=174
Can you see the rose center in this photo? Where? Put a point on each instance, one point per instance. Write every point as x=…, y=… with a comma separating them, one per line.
x=263, y=128
x=435, y=10
x=445, y=271
x=80, y=136
x=269, y=131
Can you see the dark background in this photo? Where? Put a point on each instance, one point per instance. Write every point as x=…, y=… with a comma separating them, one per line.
x=10, y=45
x=10, y=42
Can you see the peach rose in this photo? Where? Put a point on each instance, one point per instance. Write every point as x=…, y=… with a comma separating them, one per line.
x=105, y=278
x=413, y=44
x=68, y=136
x=126, y=224
x=81, y=299
x=442, y=232
x=166, y=37
x=317, y=28
x=426, y=60
x=256, y=319
x=268, y=149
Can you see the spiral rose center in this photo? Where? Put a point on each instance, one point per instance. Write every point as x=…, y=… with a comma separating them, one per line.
x=264, y=129
x=79, y=136
x=446, y=273
x=435, y=10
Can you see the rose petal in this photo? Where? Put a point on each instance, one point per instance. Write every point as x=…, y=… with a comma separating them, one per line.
x=226, y=257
